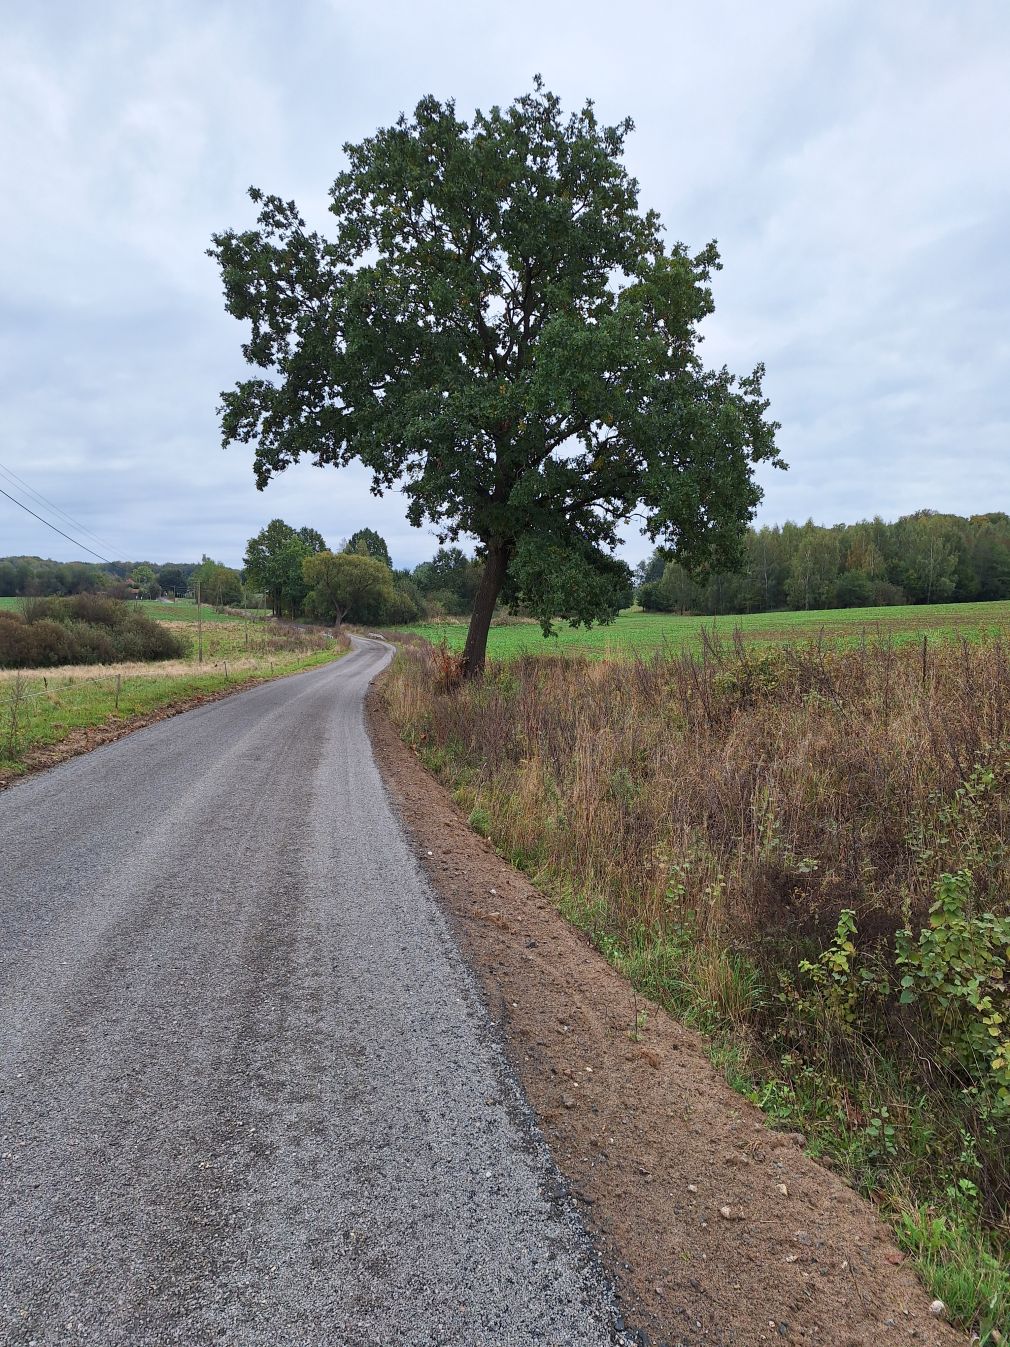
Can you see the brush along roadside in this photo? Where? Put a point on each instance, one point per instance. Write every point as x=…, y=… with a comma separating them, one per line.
x=746, y=838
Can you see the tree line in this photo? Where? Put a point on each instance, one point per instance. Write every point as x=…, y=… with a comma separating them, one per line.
x=219, y=585
x=299, y=576
x=926, y=557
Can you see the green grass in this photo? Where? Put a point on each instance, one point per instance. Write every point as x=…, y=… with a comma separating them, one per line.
x=637, y=633
x=183, y=610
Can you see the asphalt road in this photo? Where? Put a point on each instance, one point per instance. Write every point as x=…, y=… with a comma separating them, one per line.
x=248, y=1094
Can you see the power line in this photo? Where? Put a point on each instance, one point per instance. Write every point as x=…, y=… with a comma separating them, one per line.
x=75, y=541
x=38, y=496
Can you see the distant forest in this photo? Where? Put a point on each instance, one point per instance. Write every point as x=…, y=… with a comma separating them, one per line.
x=20, y=576
x=922, y=558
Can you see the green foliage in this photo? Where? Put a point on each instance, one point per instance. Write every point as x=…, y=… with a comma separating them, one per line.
x=218, y=585
x=839, y=980
x=449, y=581
x=172, y=580
x=366, y=542
x=34, y=575
x=923, y=558
x=755, y=674
x=347, y=585
x=274, y=564
x=497, y=327
x=957, y=974
x=579, y=584
x=145, y=580
x=85, y=629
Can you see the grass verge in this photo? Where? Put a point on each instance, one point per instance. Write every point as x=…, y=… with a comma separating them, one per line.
x=42, y=709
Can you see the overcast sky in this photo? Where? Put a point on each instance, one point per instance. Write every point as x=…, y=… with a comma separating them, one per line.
x=852, y=159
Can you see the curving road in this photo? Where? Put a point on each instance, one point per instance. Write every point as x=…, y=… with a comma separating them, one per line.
x=248, y=1095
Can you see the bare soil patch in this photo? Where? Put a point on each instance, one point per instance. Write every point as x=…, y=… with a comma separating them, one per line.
x=715, y=1229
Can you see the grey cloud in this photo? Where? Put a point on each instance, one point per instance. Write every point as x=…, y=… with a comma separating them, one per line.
x=851, y=158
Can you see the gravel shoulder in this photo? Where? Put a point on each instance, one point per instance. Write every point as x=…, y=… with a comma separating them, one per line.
x=715, y=1229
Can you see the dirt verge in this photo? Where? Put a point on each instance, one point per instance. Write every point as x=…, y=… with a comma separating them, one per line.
x=715, y=1229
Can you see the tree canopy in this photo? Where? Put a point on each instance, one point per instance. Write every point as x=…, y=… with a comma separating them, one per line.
x=497, y=328
x=367, y=543
x=273, y=563
x=348, y=585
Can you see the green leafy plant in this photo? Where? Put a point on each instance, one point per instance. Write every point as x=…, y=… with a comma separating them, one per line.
x=957, y=974
x=839, y=979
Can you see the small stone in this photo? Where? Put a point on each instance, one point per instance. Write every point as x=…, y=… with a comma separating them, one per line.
x=938, y=1309
x=568, y=1101
x=692, y=1187
x=782, y=1189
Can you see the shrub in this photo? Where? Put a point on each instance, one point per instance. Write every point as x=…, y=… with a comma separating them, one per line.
x=84, y=629
x=958, y=976
x=40, y=643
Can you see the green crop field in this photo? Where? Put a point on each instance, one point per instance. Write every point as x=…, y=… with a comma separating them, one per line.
x=185, y=611
x=637, y=633
x=181, y=611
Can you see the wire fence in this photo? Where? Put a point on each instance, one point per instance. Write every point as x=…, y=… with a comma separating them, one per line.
x=37, y=707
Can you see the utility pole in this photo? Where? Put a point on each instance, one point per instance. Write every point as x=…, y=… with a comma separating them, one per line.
x=199, y=626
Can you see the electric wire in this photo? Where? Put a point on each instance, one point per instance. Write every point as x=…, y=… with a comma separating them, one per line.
x=44, y=500
x=76, y=541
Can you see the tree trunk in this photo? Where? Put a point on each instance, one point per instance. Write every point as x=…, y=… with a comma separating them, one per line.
x=475, y=650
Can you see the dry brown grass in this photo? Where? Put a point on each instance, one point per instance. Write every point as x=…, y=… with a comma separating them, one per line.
x=760, y=792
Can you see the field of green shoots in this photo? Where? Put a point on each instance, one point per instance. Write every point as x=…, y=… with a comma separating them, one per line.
x=183, y=610
x=638, y=633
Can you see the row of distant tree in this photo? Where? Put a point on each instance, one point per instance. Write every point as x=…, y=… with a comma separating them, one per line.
x=922, y=558
x=219, y=584
x=356, y=582
x=290, y=570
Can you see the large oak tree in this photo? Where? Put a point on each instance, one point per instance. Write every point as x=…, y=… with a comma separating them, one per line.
x=497, y=328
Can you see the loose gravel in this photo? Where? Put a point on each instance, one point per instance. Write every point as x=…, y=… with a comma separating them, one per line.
x=248, y=1091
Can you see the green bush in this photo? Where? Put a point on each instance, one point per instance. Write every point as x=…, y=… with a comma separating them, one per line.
x=957, y=975
x=85, y=629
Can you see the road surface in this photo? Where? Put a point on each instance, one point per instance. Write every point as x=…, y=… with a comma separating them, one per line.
x=248, y=1095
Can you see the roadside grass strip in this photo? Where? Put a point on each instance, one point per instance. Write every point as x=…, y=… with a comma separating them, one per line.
x=804, y=852
x=42, y=708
